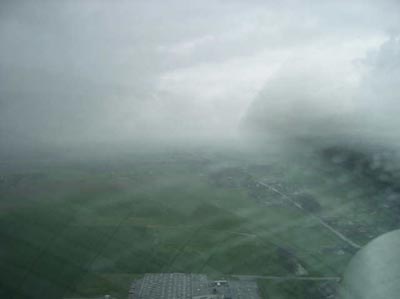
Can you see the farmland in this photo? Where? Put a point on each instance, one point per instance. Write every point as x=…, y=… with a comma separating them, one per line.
x=88, y=227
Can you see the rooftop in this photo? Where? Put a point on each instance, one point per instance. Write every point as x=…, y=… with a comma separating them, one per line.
x=190, y=286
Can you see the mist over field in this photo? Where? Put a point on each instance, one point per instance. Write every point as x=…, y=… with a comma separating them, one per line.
x=253, y=141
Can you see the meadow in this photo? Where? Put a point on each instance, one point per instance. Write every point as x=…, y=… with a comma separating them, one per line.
x=85, y=228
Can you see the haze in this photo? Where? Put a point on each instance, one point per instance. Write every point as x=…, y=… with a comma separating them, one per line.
x=74, y=73
x=214, y=148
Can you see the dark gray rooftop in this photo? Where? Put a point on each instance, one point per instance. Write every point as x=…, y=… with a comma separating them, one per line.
x=190, y=286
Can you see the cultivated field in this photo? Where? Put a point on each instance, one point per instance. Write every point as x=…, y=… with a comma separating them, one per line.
x=88, y=227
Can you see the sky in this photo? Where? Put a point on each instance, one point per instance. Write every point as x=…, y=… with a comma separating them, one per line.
x=74, y=72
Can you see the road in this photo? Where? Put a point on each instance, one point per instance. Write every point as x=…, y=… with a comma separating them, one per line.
x=289, y=277
x=321, y=221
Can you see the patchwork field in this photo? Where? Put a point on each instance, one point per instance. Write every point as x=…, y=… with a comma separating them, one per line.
x=72, y=228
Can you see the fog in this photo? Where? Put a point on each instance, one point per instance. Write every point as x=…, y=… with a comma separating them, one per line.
x=249, y=140
x=77, y=73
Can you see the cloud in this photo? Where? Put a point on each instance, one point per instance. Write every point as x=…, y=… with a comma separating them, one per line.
x=84, y=71
x=333, y=100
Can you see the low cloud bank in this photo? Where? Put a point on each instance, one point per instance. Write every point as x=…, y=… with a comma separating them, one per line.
x=321, y=106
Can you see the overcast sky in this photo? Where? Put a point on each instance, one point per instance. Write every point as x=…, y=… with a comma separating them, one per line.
x=83, y=71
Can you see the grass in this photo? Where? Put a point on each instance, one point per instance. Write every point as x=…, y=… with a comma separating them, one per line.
x=90, y=229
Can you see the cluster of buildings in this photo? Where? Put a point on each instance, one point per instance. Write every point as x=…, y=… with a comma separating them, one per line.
x=190, y=286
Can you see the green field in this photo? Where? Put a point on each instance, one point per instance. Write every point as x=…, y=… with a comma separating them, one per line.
x=88, y=228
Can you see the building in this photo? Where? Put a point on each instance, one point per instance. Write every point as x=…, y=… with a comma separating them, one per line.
x=190, y=286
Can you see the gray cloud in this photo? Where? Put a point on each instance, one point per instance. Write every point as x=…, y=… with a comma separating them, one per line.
x=322, y=104
x=91, y=71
